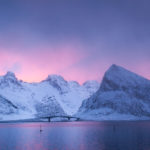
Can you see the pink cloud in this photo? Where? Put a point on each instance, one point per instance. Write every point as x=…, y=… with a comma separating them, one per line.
x=35, y=65
x=69, y=60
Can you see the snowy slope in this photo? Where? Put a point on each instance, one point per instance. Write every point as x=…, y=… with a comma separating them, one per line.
x=70, y=94
x=122, y=93
x=6, y=107
x=50, y=96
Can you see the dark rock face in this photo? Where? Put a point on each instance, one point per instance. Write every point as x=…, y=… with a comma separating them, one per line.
x=120, y=79
x=49, y=107
x=121, y=91
x=7, y=107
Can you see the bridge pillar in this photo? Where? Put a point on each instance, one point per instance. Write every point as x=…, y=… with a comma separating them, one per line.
x=78, y=119
x=69, y=118
x=49, y=119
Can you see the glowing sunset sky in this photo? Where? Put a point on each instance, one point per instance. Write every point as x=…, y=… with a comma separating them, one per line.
x=78, y=39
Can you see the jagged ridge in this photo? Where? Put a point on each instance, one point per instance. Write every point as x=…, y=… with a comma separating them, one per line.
x=52, y=95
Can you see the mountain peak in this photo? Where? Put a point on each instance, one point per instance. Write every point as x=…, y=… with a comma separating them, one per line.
x=115, y=68
x=9, y=79
x=117, y=77
x=10, y=75
x=90, y=82
x=91, y=86
x=120, y=72
x=55, y=77
x=57, y=82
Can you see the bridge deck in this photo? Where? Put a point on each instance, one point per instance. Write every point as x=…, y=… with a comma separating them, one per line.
x=68, y=117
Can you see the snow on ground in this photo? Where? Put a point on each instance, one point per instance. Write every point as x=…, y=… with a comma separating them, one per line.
x=17, y=116
x=108, y=114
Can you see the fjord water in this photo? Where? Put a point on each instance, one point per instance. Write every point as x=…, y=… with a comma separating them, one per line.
x=108, y=135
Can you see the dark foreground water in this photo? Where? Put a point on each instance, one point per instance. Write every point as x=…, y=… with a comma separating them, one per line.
x=76, y=136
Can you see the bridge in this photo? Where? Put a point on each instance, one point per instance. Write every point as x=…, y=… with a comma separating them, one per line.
x=68, y=117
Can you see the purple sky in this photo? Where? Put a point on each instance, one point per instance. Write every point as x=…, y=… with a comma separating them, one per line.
x=78, y=39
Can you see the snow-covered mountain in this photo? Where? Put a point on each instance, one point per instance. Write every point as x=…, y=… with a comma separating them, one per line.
x=122, y=95
x=53, y=95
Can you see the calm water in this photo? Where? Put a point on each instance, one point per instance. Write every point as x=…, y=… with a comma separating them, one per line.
x=76, y=136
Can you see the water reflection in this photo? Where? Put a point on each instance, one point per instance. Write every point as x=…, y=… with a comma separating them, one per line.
x=76, y=136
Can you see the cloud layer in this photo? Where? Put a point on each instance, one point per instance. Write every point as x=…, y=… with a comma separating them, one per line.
x=76, y=39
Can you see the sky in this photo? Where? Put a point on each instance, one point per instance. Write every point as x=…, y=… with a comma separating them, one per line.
x=78, y=39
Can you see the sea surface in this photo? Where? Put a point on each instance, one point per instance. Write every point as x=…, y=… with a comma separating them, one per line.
x=107, y=135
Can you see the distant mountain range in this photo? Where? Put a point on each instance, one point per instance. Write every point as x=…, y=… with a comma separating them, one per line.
x=52, y=96
x=122, y=95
